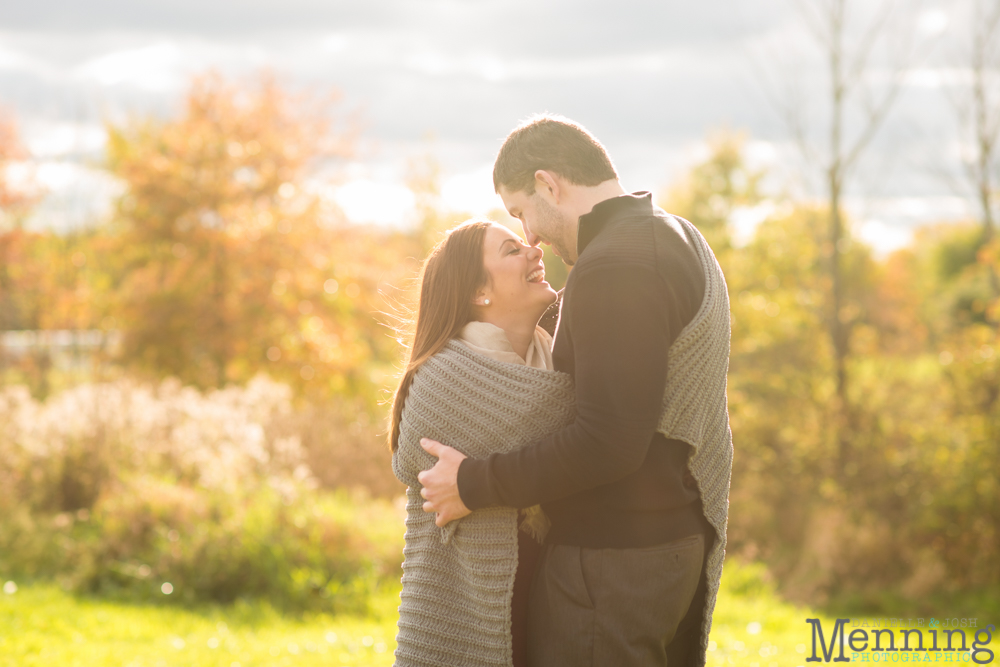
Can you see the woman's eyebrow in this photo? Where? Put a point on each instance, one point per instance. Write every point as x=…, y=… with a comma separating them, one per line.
x=505, y=242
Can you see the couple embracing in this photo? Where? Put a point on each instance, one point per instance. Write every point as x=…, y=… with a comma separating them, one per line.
x=568, y=494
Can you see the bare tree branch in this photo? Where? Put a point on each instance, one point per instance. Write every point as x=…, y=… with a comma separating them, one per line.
x=859, y=63
x=816, y=22
x=850, y=92
x=787, y=101
x=982, y=117
x=874, y=121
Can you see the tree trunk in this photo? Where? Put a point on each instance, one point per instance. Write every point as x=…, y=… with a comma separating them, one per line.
x=835, y=178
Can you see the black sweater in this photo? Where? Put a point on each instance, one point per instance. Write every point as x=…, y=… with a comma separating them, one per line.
x=609, y=479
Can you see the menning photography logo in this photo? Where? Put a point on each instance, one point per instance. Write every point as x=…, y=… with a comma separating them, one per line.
x=902, y=640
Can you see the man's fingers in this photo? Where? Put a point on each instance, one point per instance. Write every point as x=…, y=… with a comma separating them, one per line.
x=438, y=484
x=439, y=519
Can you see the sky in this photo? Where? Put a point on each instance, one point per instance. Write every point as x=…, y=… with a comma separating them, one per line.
x=653, y=80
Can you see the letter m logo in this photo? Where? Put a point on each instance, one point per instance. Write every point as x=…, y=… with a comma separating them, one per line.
x=836, y=639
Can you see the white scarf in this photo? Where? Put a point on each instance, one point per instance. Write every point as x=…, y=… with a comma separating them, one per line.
x=490, y=340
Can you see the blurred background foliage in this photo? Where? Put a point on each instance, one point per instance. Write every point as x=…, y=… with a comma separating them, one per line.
x=224, y=431
x=909, y=508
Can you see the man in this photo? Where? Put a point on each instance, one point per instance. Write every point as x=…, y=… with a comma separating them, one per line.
x=637, y=486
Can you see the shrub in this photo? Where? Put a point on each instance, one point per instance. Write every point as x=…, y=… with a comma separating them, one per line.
x=118, y=489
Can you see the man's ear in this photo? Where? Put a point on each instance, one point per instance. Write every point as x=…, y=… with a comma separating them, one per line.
x=550, y=185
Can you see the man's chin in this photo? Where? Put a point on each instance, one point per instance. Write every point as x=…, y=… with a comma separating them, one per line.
x=562, y=254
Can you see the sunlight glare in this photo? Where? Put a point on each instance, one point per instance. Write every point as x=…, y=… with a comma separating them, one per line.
x=367, y=201
x=933, y=21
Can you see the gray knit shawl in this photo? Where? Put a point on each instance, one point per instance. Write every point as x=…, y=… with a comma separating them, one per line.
x=458, y=580
x=695, y=410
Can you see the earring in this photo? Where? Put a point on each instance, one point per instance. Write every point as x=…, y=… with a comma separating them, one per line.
x=486, y=302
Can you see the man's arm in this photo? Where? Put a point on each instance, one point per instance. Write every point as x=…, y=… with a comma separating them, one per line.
x=620, y=339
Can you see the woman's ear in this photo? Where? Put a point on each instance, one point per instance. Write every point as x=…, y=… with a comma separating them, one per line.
x=481, y=299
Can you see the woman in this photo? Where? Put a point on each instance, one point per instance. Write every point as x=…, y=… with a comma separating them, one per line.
x=479, y=379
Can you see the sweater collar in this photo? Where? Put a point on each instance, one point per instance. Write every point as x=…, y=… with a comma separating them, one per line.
x=611, y=210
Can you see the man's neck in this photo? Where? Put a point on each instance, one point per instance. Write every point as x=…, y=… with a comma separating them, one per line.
x=586, y=198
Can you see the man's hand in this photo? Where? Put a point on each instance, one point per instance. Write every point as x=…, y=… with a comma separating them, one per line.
x=441, y=483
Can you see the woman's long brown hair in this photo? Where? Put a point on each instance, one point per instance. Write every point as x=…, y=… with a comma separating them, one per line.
x=449, y=280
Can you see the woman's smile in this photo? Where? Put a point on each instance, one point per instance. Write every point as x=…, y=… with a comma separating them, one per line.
x=516, y=287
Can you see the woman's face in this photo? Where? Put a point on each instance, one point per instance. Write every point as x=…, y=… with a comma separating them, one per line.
x=516, y=283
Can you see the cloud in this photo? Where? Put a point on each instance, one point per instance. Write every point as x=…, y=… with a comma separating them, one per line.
x=933, y=21
x=15, y=60
x=158, y=68
x=54, y=139
x=194, y=17
x=649, y=78
x=494, y=68
x=76, y=195
x=938, y=77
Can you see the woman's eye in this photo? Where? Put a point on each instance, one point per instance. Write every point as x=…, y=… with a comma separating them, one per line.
x=514, y=251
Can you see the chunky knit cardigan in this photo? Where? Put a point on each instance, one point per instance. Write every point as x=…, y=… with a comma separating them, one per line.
x=458, y=580
x=695, y=409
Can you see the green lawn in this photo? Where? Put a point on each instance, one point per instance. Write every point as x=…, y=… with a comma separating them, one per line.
x=753, y=627
x=42, y=625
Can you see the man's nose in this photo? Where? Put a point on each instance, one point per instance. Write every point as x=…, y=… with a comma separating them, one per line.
x=531, y=239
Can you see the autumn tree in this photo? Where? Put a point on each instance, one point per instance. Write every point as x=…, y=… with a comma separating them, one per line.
x=978, y=111
x=833, y=125
x=714, y=190
x=233, y=265
x=910, y=510
x=16, y=199
x=15, y=243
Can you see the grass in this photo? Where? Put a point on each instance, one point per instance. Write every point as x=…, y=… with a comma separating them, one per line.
x=754, y=627
x=42, y=625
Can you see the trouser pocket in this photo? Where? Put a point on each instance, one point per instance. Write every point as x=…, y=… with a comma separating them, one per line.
x=611, y=606
x=561, y=612
x=640, y=597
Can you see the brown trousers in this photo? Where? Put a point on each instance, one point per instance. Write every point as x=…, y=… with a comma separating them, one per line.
x=613, y=607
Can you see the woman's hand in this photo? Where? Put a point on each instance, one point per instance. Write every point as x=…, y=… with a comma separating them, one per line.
x=440, y=483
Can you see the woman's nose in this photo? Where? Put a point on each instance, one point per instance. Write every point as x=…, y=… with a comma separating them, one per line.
x=534, y=252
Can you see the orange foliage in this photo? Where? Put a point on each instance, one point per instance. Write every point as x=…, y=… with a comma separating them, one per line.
x=13, y=201
x=233, y=265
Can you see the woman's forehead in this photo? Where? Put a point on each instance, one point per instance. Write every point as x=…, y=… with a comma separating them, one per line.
x=497, y=234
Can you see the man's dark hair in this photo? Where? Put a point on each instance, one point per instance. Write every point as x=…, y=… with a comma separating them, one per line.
x=555, y=144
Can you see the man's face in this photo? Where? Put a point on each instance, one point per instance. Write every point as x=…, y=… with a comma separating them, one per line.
x=543, y=222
